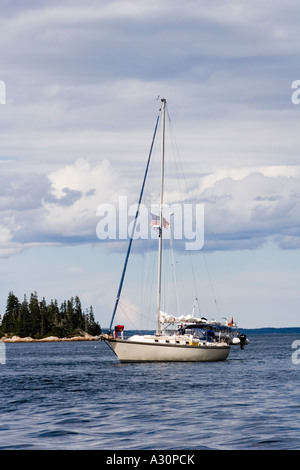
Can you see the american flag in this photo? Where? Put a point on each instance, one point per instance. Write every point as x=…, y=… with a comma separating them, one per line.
x=155, y=219
x=165, y=223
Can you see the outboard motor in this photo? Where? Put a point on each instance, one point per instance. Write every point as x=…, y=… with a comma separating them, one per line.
x=242, y=340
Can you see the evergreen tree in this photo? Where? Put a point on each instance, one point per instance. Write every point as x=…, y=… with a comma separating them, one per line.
x=70, y=312
x=35, y=315
x=44, y=317
x=93, y=327
x=78, y=315
x=37, y=319
x=11, y=314
x=62, y=312
x=24, y=324
x=86, y=321
x=52, y=313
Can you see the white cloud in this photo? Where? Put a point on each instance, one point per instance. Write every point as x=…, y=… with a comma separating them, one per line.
x=248, y=209
x=244, y=207
x=77, y=190
x=56, y=208
x=7, y=246
x=5, y=234
x=81, y=81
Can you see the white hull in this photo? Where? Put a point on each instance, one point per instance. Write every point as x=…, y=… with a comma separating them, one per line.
x=140, y=351
x=164, y=346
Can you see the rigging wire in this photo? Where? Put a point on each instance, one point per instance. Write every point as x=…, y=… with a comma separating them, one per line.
x=148, y=257
x=174, y=143
x=148, y=271
x=174, y=274
x=178, y=172
x=133, y=229
x=211, y=284
x=149, y=275
x=124, y=308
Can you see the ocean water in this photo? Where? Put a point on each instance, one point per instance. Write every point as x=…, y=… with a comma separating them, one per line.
x=68, y=396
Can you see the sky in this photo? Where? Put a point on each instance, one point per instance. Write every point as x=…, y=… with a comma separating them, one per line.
x=81, y=81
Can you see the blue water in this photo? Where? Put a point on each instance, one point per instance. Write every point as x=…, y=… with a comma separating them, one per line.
x=77, y=396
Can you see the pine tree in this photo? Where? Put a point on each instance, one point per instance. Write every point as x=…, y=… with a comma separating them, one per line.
x=23, y=327
x=52, y=313
x=62, y=312
x=44, y=317
x=78, y=315
x=69, y=318
x=37, y=319
x=35, y=315
x=93, y=327
x=11, y=314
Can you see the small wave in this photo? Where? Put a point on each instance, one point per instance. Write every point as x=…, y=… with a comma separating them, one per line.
x=54, y=433
x=73, y=421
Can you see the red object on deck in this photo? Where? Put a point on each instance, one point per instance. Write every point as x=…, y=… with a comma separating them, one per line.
x=118, y=329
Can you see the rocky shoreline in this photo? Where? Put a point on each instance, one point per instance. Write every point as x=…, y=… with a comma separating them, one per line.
x=28, y=339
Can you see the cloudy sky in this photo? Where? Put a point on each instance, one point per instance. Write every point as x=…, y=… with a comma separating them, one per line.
x=82, y=78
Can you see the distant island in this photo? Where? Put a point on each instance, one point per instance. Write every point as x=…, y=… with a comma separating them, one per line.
x=270, y=330
x=35, y=320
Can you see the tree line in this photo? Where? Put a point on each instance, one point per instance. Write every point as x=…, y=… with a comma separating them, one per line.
x=37, y=319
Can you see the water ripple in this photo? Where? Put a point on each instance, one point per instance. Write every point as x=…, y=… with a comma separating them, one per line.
x=76, y=396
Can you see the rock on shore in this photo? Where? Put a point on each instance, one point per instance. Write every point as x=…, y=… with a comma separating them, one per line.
x=28, y=339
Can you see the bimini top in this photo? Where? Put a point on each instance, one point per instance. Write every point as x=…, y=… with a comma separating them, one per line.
x=206, y=326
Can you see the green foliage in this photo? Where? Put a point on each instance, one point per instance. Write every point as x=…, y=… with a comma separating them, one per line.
x=38, y=319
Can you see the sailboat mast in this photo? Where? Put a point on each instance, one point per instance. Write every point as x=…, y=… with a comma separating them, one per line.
x=160, y=238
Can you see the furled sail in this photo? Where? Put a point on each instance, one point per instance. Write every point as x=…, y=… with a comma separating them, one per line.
x=166, y=318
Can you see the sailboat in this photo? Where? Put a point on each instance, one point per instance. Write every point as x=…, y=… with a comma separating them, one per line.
x=195, y=339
